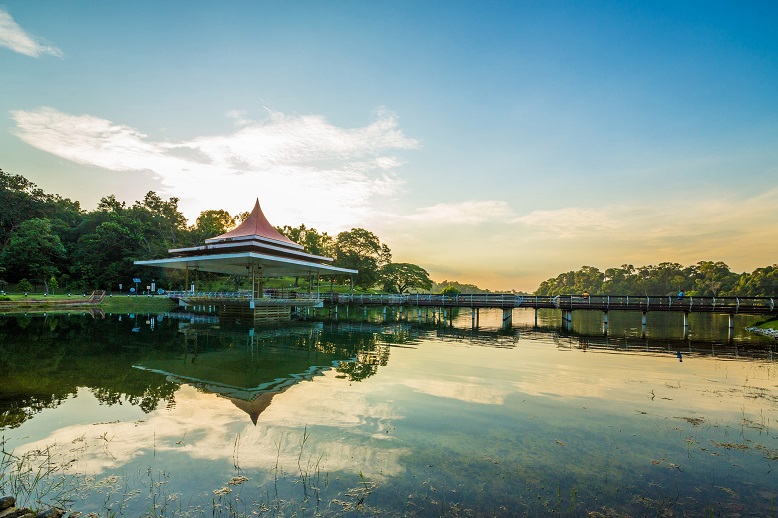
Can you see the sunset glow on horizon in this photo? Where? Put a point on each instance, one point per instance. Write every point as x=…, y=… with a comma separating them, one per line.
x=495, y=144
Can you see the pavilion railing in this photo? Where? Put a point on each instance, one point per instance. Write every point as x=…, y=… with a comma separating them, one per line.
x=241, y=295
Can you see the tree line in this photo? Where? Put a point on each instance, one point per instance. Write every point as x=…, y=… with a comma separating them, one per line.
x=50, y=241
x=704, y=279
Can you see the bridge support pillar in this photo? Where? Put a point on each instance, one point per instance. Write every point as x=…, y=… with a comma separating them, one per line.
x=364, y=312
x=605, y=323
x=731, y=331
x=419, y=314
x=643, y=325
x=536, y=317
x=336, y=311
x=472, y=317
x=567, y=320
x=507, y=318
x=384, y=313
x=685, y=325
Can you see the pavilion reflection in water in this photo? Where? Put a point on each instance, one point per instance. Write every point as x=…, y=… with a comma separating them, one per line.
x=249, y=366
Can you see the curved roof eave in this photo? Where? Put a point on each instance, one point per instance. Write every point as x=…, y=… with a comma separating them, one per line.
x=239, y=263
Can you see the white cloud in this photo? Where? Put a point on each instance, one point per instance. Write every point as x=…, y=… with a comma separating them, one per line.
x=569, y=221
x=14, y=37
x=465, y=212
x=341, y=169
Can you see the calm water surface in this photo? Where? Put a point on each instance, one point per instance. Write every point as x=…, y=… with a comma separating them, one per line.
x=156, y=415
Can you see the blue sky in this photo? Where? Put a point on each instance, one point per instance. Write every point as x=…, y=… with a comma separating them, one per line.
x=498, y=143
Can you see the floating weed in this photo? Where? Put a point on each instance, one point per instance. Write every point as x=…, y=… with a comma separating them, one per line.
x=731, y=445
x=768, y=453
x=728, y=491
x=694, y=421
x=236, y=481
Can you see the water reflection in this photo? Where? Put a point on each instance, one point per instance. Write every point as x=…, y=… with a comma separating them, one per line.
x=500, y=422
x=143, y=360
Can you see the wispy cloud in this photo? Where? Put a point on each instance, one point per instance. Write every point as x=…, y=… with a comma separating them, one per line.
x=16, y=39
x=341, y=169
x=472, y=211
x=569, y=221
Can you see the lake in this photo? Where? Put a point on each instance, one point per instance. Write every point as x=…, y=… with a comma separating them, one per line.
x=179, y=415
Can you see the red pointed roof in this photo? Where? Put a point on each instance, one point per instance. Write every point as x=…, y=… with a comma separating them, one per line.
x=257, y=226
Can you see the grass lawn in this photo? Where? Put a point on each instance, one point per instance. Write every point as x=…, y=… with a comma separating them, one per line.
x=137, y=304
x=770, y=324
x=115, y=304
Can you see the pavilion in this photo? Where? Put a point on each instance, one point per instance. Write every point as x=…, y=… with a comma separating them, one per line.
x=253, y=248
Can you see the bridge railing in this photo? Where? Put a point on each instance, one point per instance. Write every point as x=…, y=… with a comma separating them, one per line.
x=762, y=305
x=753, y=305
x=501, y=300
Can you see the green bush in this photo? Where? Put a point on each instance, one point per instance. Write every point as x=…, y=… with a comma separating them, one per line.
x=24, y=286
x=450, y=290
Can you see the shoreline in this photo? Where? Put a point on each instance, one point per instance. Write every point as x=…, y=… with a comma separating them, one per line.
x=110, y=304
x=769, y=331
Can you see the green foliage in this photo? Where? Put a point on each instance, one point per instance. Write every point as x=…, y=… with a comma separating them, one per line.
x=33, y=251
x=401, y=277
x=45, y=237
x=24, y=286
x=762, y=281
x=311, y=240
x=359, y=249
x=458, y=286
x=211, y=223
x=706, y=278
x=22, y=200
x=450, y=290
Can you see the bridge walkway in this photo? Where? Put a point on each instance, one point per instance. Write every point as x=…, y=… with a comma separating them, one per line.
x=723, y=305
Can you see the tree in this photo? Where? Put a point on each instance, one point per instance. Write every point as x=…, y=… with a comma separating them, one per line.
x=212, y=223
x=162, y=225
x=359, y=249
x=53, y=284
x=400, y=277
x=311, y=240
x=24, y=286
x=21, y=200
x=588, y=279
x=450, y=290
x=762, y=282
x=713, y=278
x=455, y=288
x=33, y=251
x=619, y=280
x=104, y=258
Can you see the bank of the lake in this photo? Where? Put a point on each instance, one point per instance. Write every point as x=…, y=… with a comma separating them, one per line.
x=111, y=304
